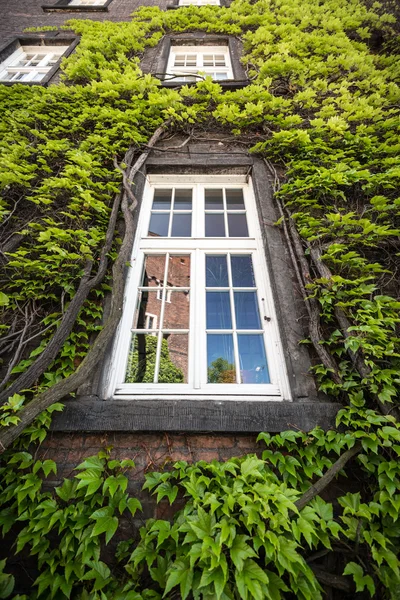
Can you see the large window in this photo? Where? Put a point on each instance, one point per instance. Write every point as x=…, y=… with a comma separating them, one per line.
x=198, y=317
x=30, y=63
x=193, y=63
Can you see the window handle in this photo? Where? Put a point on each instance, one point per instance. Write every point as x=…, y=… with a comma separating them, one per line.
x=265, y=317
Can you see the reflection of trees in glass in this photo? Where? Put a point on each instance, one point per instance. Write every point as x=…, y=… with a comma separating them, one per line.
x=142, y=360
x=221, y=371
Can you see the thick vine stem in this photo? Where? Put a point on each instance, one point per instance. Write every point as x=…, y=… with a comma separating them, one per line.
x=325, y=480
x=96, y=353
x=344, y=325
x=303, y=276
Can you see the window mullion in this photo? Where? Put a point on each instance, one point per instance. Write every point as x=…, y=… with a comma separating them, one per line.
x=233, y=317
x=225, y=213
x=160, y=333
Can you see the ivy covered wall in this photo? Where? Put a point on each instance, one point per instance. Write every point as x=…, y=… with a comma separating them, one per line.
x=322, y=109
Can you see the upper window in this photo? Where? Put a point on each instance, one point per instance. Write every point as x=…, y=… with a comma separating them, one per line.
x=198, y=317
x=191, y=63
x=198, y=2
x=30, y=63
x=87, y=2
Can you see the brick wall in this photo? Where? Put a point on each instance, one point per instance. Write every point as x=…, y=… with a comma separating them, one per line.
x=17, y=15
x=149, y=451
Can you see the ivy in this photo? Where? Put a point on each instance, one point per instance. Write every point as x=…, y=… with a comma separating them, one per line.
x=322, y=109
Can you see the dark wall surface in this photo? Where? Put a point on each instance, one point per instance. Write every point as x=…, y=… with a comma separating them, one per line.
x=16, y=15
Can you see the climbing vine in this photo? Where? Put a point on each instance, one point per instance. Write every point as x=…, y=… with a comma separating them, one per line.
x=322, y=109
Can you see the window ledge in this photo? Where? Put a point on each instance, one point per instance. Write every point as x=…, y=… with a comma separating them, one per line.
x=88, y=413
x=226, y=85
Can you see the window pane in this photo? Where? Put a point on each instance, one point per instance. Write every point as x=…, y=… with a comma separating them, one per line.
x=183, y=199
x=159, y=224
x=153, y=271
x=174, y=359
x=242, y=271
x=162, y=199
x=216, y=271
x=148, y=304
x=246, y=310
x=234, y=199
x=214, y=199
x=179, y=271
x=181, y=225
x=253, y=362
x=218, y=310
x=220, y=359
x=176, y=312
x=237, y=225
x=141, y=359
x=215, y=226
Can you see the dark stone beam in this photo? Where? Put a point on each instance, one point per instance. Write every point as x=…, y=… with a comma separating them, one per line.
x=92, y=414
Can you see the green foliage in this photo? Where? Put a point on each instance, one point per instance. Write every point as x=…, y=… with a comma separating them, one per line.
x=238, y=532
x=322, y=104
x=142, y=360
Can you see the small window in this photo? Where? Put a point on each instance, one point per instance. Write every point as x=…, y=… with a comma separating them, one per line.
x=87, y=2
x=30, y=63
x=193, y=63
x=199, y=317
x=199, y=2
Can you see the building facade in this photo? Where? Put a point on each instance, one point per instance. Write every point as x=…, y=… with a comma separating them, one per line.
x=208, y=351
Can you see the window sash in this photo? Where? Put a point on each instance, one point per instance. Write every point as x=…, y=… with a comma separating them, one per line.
x=87, y=2
x=198, y=62
x=199, y=2
x=12, y=70
x=197, y=385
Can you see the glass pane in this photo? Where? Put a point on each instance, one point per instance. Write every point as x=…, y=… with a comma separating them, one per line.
x=183, y=199
x=214, y=199
x=218, y=310
x=153, y=271
x=246, y=310
x=162, y=199
x=253, y=362
x=234, y=199
x=147, y=315
x=215, y=226
x=159, y=224
x=237, y=225
x=181, y=225
x=179, y=271
x=242, y=271
x=176, y=312
x=216, y=271
x=174, y=359
x=220, y=359
x=141, y=359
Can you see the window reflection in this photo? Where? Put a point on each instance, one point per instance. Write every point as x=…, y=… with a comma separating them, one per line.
x=220, y=359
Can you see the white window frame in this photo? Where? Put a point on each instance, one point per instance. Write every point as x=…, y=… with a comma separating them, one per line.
x=87, y=2
x=197, y=246
x=199, y=2
x=182, y=74
x=10, y=65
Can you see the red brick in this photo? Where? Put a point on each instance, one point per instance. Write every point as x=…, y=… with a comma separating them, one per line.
x=76, y=456
x=211, y=441
x=247, y=442
x=98, y=441
x=207, y=455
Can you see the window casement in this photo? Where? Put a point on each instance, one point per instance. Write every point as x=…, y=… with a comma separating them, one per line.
x=198, y=2
x=30, y=63
x=87, y=2
x=198, y=318
x=193, y=63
